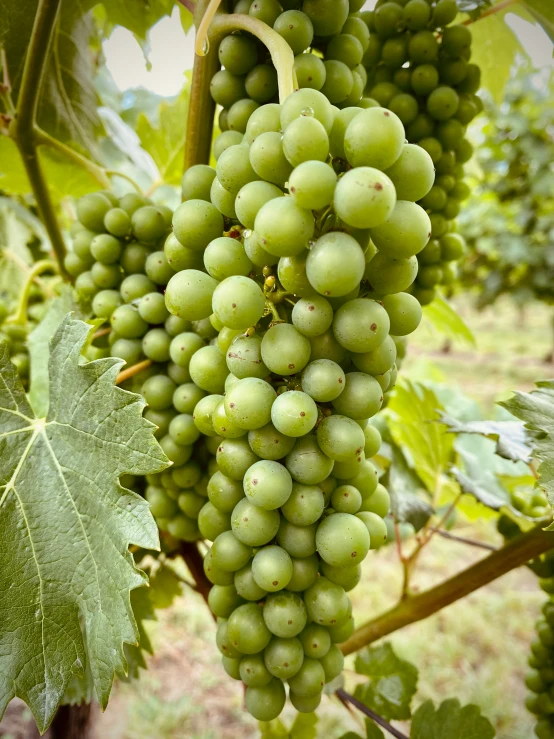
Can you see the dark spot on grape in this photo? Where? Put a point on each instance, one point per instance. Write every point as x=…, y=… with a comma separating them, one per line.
x=302, y=414
x=311, y=307
x=340, y=380
x=373, y=327
x=285, y=664
x=378, y=186
x=231, y=405
x=291, y=366
x=315, y=645
x=220, y=449
x=275, y=582
x=233, y=305
x=291, y=26
x=354, y=554
x=245, y=519
x=293, y=189
x=310, y=78
x=289, y=622
x=248, y=669
x=275, y=441
x=334, y=621
x=254, y=482
x=387, y=114
x=224, y=428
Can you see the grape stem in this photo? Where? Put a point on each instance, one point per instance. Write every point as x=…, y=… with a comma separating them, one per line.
x=463, y=539
x=414, y=608
x=345, y=698
x=133, y=370
x=491, y=11
x=99, y=173
x=193, y=559
x=22, y=127
x=20, y=316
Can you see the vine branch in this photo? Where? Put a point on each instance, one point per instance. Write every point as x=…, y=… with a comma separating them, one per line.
x=491, y=11
x=417, y=607
x=347, y=698
x=22, y=127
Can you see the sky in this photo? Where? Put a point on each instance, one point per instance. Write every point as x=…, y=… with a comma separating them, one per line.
x=172, y=53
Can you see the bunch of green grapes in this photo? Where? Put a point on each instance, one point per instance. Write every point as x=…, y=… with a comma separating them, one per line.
x=419, y=67
x=307, y=288
x=119, y=263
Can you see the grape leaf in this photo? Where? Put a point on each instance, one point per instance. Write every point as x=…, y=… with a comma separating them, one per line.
x=392, y=682
x=16, y=258
x=510, y=437
x=444, y=318
x=273, y=729
x=536, y=409
x=304, y=726
x=450, y=721
x=66, y=525
x=403, y=485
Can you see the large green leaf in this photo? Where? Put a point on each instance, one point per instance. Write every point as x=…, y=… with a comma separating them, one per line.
x=445, y=319
x=510, y=437
x=165, y=141
x=404, y=486
x=450, y=721
x=66, y=525
x=536, y=409
x=392, y=682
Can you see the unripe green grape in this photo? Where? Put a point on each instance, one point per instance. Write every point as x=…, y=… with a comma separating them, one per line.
x=292, y=275
x=404, y=233
x=464, y=151
x=376, y=527
x=178, y=256
x=261, y=83
x=244, y=358
x=224, y=492
x=184, y=346
x=296, y=28
x=197, y=180
x=196, y=223
x=238, y=302
x=239, y=113
x=253, y=671
x=340, y=124
x=413, y=173
x=283, y=227
x=456, y=40
x=105, y=276
x=439, y=225
x=345, y=48
x=404, y=312
x=223, y=642
x=105, y=302
x=238, y=54
x=158, y=269
x=222, y=142
x=223, y=600
x=189, y=294
x=248, y=202
x=378, y=502
x=227, y=88
x=364, y=196
x=388, y=275
x=332, y=663
x=307, y=463
x=267, y=484
x=161, y=505
x=127, y=322
x=452, y=246
x=424, y=79
x=315, y=640
x=248, y=403
x=423, y=47
x=326, y=602
x=335, y=264
x=346, y=499
x=186, y=396
x=342, y=540
x=306, y=99
x=435, y=199
x=183, y=431
x=135, y=286
x=355, y=26
x=416, y=15
x=305, y=139
x=376, y=362
x=130, y=350
x=268, y=443
x=155, y=345
x=284, y=614
x=395, y=52
x=223, y=200
x=339, y=81
x=255, y=252
x=92, y=209
x=374, y=138
x=234, y=457
x=312, y=183
x=305, y=703
x=442, y=103
x=312, y=316
x=246, y=586
x=372, y=441
x=444, y=12
x=298, y=541
x=265, y=703
x=304, y=573
x=447, y=163
x=203, y=412
x=304, y=506
x=361, y=325
x=175, y=452
x=347, y=577
x=105, y=248
x=323, y=380
x=152, y=308
x=212, y=522
x=472, y=81
x=214, y=574
x=340, y=438
x=285, y=350
x=268, y=159
x=191, y=504
x=294, y=413
x=132, y=201
x=230, y=554
x=264, y=119
x=310, y=71
x=187, y=476
x=405, y=107
x=284, y=657
x=252, y=525
x=272, y=568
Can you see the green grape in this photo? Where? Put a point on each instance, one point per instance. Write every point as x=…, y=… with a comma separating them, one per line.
x=175, y=452
x=197, y=180
x=184, y=346
x=305, y=139
x=223, y=200
x=405, y=107
x=444, y=12
x=307, y=463
x=256, y=253
x=347, y=577
x=249, y=200
x=135, y=286
x=347, y=49
x=92, y=209
x=374, y=138
x=394, y=52
x=304, y=573
x=404, y=312
x=225, y=336
x=215, y=575
x=340, y=438
x=227, y=88
x=294, y=413
x=234, y=169
x=378, y=502
x=326, y=602
x=452, y=246
x=132, y=201
x=335, y=264
x=252, y=525
x=267, y=484
x=383, y=93
x=304, y=506
x=230, y=554
x=472, y=81
x=272, y=568
x=305, y=703
x=222, y=142
x=196, y=223
x=292, y=275
x=127, y=322
x=268, y=160
x=189, y=294
x=105, y=248
x=238, y=302
x=284, y=614
x=284, y=229
x=404, y=233
x=456, y=40
x=186, y=396
x=361, y=325
x=223, y=642
x=152, y=308
x=105, y=302
x=309, y=680
x=340, y=124
x=244, y=357
x=339, y=81
x=423, y=47
x=246, y=586
x=323, y=380
x=238, y=54
x=346, y=499
x=266, y=10
x=264, y=119
x=130, y=350
x=187, y=476
x=387, y=18
x=349, y=469
x=224, y=492
x=296, y=28
x=253, y=672
x=246, y=629
x=442, y=103
x=105, y=276
x=315, y=641
x=312, y=316
x=183, y=431
x=362, y=395
x=212, y=522
x=424, y=79
x=133, y=257
x=191, y=504
x=435, y=199
x=307, y=100
x=388, y=275
x=225, y=257
x=234, y=457
x=413, y=173
x=376, y=527
x=285, y=350
x=310, y=71
x=239, y=114
x=364, y=197
x=155, y=345
x=268, y=443
x=266, y=702
x=161, y=505
x=248, y=403
x=223, y=600
x=203, y=412
x=158, y=269
x=372, y=440
x=416, y=15
x=261, y=83
x=312, y=183
x=332, y=663
x=376, y=362
x=284, y=657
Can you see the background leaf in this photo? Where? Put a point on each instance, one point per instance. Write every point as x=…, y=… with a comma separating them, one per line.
x=510, y=437
x=444, y=318
x=450, y=721
x=392, y=682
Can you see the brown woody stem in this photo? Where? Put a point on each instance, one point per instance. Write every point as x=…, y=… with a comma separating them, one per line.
x=347, y=698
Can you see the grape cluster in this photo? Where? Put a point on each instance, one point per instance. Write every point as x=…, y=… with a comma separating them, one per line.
x=540, y=677
x=419, y=67
x=119, y=262
x=307, y=288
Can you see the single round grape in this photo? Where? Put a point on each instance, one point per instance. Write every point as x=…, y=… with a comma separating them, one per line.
x=189, y=294
x=304, y=100
x=248, y=403
x=305, y=139
x=223, y=599
x=184, y=346
x=340, y=438
x=309, y=680
x=227, y=88
x=378, y=502
x=332, y=663
x=196, y=223
x=284, y=229
x=285, y=350
x=423, y=47
x=310, y=71
x=305, y=703
x=224, y=492
x=355, y=26
x=132, y=201
x=364, y=197
x=377, y=361
x=208, y=369
x=222, y=142
x=266, y=702
x=225, y=257
x=186, y=397
x=284, y=614
x=323, y=380
x=346, y=577
x=268, y=443
x=105, y=302
x=456, y=40
x=312, y=316
x=197, y=181
x=127, y=322
x=148, y=224
x=223, y=426
x=327, y=16
x=214, y=574
x=361, y=325
x=326, y=602
x=304, y=506
x=234, y=456
x=261, y=83
x=307, y=463
x=442, y=103
x=105, y=276
x=362, y=396
x=239, y=113
x=304, y=573
x=191, y=504
x=244, y=358
x=315, y=640
x=175, y=452
x=312, y=183
x=413, y=173
x=238, y=54
x=374, y=138
x=238, y=302
x=178, y=256
x=296, y=28
x=346, y=499
x=389, y=275
x=187, y=476
x=263, y=119
x=135, y=286
x=335, y=264
x=155, y=344
x=225, y=336
x=326, y=346
x=249, y=200
x=376, y=527
x=252, y=525
x=444, y=12
x=268, y=158
x=246, y=629
x=234, y=169
x=424, y=78
x=92, y=209
x=253, y=672
x=223, y=199
x=268, y=484
x=366, y=480
x=255, y=251
x=152, y=308
x=161, y=505
x=223, y=642
x=294, y=413
x=298, y=541
x=158, y=268
x=246, y=586
x=272, y=568
x=342, y=540
x=284, y=657
x=230, y=554
x=345, y=48
x=372, y=440
x=292, y=275
x=404, y=312
x=105, y=248
x=130, y=350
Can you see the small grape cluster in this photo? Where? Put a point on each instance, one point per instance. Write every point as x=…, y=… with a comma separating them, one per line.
x=306, y=287
x=418, y=67
x=119, y=262
x=540, y=677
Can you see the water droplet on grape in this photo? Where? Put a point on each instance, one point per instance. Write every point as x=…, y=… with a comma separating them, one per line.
x=309, y=112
